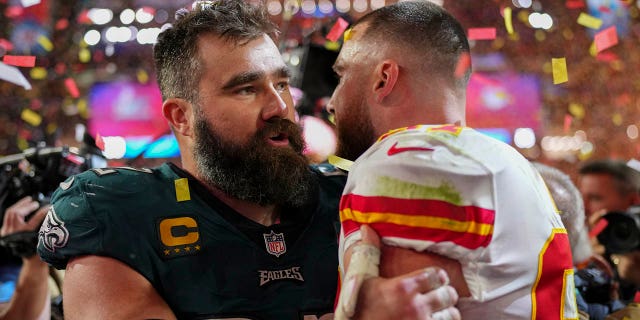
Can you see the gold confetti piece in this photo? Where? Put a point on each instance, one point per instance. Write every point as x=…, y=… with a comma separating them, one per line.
x=331, y=45
x=576, y=110
x=341, y=163
x=593, y=51
x=82, y=108
x=142, y=76
x=616, y=118
x=507, y=20
x=45, y=43
x=38, y=73
x=182, y=189
x=559, y=66
x=31, y=117
x=84, y=55
x=589, y=21
x=51, y=128
x=347, y=34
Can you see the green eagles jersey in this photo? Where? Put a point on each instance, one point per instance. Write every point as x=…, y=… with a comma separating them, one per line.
x=203, y=258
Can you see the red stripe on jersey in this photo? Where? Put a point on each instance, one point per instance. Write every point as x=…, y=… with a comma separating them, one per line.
x=418, y=207
x=467, y=240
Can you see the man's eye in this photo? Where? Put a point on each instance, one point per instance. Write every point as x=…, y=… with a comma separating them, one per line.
x=282, y=86
x=246, y=90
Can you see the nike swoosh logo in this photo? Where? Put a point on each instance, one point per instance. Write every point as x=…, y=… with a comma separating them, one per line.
x=395, y=150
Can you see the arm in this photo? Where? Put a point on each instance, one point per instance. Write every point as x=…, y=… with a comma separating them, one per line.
x=418, y=293
x=116, y=292
x=31, y=297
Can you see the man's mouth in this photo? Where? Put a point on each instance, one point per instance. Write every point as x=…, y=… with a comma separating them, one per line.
x=279, y=139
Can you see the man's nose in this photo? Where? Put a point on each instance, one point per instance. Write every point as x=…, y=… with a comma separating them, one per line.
x=276, y=105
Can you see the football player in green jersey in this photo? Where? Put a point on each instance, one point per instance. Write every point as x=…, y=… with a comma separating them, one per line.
x=244, y=228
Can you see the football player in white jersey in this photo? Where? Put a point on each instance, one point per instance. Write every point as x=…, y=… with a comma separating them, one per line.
x=438, y=193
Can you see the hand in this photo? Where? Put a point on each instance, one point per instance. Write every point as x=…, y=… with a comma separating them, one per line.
x=15, y=215
x=422, y=294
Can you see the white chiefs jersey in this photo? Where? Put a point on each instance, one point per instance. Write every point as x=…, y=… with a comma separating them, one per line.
x=461, y=194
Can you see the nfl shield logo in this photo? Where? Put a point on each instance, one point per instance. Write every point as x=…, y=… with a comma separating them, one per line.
x=275, y=243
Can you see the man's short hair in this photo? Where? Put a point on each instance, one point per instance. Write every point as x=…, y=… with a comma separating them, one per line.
x=627, y=179
x=426, y=30
x=177, y=64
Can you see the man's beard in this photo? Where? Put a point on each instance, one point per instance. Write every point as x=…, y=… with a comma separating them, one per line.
x=256, y=172
x=355, y=133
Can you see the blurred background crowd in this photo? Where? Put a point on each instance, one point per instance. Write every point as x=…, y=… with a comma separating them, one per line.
x=93, y=72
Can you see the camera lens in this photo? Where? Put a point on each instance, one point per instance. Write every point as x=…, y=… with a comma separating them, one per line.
x=622, y=233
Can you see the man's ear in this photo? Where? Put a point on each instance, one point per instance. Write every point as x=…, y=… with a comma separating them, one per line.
x=179, y=114
x=386, y=77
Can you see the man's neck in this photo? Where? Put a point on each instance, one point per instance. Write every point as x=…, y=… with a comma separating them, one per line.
x=264, y=215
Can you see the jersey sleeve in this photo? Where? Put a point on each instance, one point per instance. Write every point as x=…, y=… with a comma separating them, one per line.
x=420, y=193
x=70, y=227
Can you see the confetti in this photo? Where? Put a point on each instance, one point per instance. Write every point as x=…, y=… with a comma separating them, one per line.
x=72, y=87
x=20, y=61
x=606, y=39
x=599, y=227
x=6, y=44
x=482, y=33
x=13, y=75
x=464, y=62
x=182, y=189
x=568, y=119
x=340, y=163
x=84, y=55
x=45, y=43
x=559, y=67
x=589, y=21
x=575, y=4
x=99, y=141
x=38, y=73
x=507, y=20
x=31, y=117
x=348, y=34
x=604, y=9
x=577, y=110
x=338, y=28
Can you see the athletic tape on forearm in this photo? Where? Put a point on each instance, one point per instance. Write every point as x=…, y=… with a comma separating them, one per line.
x=364, y=263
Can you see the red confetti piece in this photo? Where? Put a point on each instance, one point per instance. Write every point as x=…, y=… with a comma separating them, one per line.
x=575, y=4
x=464, y=62
x=482, y=33
x=62, y=24
x=338, y=28
x=604, y=9
x=99, y=142
x=568, y=119
x=6, y=44
x=599, y=227
x=637, y=297
x=83, y=17
x=20, y=61
x=72, y=87
x=606, y=39
x=607, y=57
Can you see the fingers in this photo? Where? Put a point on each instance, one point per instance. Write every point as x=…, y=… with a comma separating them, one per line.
x=425, y=280
x=437, y=300
x=450, y=313
x=37, y=218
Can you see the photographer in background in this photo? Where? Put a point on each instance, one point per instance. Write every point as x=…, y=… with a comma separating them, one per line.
x=597, y=296
x=610, y=186
x=30, y=299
